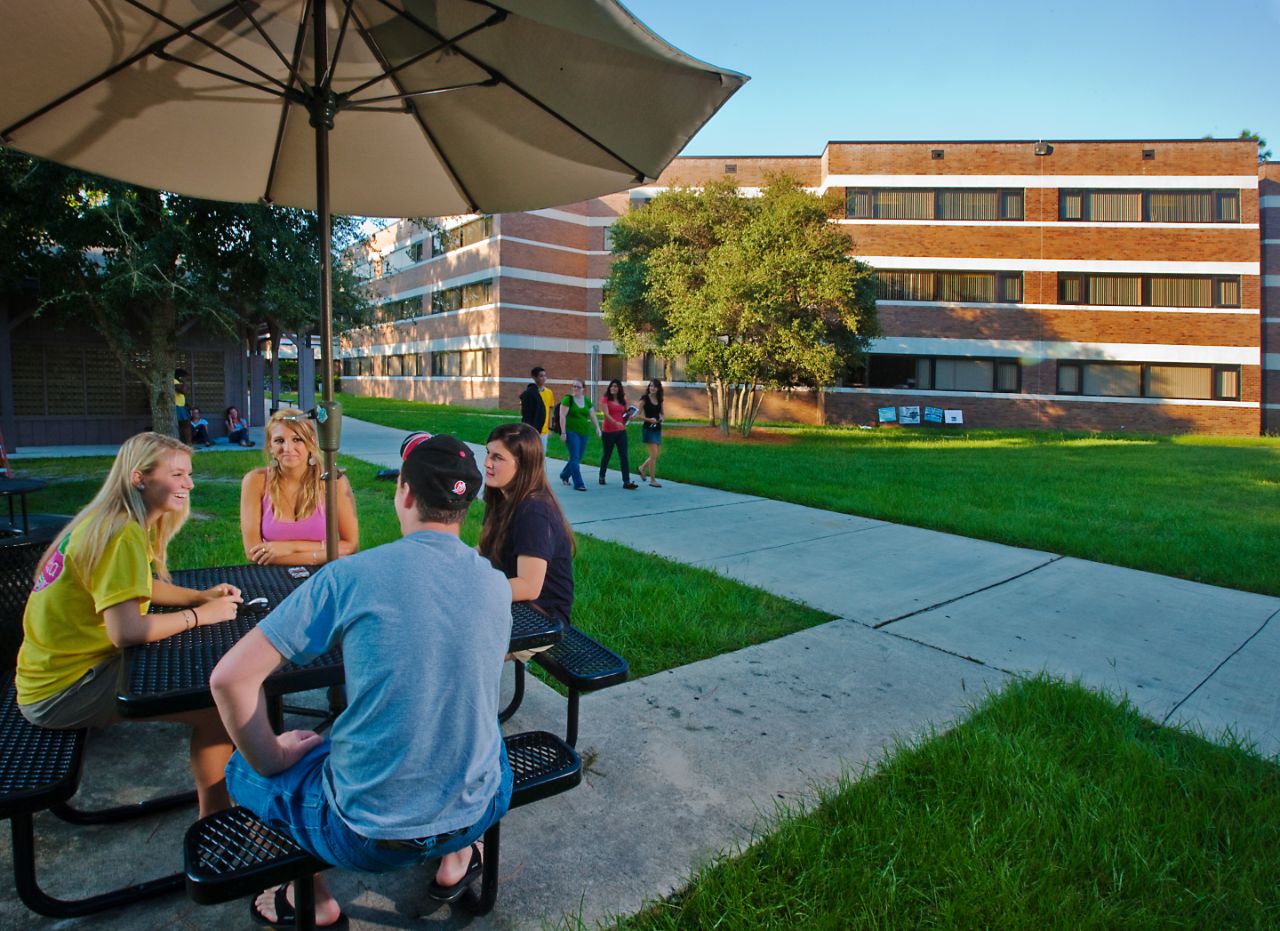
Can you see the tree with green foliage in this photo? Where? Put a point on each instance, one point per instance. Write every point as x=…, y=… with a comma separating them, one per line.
x=1264, y=153
x=140, y=265
x=757, y=292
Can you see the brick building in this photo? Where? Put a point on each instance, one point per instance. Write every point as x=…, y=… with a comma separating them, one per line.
x=1080, y=285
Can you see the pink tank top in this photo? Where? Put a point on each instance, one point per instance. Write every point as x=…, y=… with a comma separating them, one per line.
x=309, y=528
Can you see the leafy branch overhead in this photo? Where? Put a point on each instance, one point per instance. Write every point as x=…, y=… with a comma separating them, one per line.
x=141, y=266
x=757, y=292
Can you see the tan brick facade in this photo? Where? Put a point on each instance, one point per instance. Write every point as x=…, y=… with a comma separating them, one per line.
x=547, y=268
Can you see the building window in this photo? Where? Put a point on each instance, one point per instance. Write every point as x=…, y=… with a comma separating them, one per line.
x=467, y=234
x=1150, y=380
x=941, y=373
x=933, y=204
x=1150, y=206
x=399, y=310
x=393, y=366
x=654, y=366
x=414, y=252
x=613, y=367
x=1149, y=290
x=466, y=362
x=975, y=287
x=476, y=294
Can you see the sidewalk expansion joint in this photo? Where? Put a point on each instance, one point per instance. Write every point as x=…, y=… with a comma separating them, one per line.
x=674, y=510
x=1213, y=672
x=986, y=588
x=781, y=546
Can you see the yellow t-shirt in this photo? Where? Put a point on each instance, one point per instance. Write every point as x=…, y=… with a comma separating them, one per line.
x=63, y=632
x=548, y=402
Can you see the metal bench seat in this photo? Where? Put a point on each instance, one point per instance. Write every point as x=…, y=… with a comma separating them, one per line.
x=582, y=665
x=233, y=854
x=40, y=770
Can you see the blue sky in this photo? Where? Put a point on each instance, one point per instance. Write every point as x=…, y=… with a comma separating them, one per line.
x=987, y=69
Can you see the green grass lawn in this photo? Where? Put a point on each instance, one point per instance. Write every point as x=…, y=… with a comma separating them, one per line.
x=700, y=614
x=1201, y=508
x=1051, y=807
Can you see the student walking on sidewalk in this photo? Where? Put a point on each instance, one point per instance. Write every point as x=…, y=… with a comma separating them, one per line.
x=652, y=432
x=614, y=432
x=576, y=419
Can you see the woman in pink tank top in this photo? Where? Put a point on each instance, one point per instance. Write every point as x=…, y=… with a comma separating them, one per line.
x=282, y=505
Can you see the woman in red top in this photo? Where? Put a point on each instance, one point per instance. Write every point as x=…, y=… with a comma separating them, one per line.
x=614, y=432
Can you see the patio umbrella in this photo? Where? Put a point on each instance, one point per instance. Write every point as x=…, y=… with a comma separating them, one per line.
x=365, y=107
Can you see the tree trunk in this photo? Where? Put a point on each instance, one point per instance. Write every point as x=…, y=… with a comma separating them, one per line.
x=722, y=399
x=162, y=357
x=711, y=403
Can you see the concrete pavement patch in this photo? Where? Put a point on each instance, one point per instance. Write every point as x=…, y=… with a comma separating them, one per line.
x=1149, y=636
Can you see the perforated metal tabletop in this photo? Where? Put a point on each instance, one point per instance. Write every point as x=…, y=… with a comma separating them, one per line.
x=172, y=675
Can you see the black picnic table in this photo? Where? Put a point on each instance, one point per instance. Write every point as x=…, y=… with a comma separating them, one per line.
x=19, y=487
x=172, y=675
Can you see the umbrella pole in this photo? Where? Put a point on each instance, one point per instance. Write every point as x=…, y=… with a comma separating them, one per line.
x=329, y=412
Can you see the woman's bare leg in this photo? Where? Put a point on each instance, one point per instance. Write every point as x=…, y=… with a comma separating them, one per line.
x=210, y=750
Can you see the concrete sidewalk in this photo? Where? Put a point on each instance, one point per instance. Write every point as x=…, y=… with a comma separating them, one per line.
x=685, y=764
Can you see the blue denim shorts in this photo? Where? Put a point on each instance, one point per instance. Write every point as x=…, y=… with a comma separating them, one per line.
x=651, y=435
x=294, y=803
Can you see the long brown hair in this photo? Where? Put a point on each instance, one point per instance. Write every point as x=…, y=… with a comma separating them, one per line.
x=309, y=495
x=530, y=481
x=118, y=502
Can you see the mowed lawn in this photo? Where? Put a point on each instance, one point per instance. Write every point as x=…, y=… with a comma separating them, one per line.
x=1201, y=508
x=1051, y=807
x=700, y=614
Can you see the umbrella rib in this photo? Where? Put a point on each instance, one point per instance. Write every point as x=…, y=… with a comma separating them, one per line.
x=503, y=79
x=337, y=46
x=248, y=15
x=284, y=92
x=357, y=104
x=113, y=70
x=295, y=69
x=458, y=184
x=189, y=32
x=443, y=43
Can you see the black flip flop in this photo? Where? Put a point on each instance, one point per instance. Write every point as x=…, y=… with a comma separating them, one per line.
x=286, y=916
x=452, y=893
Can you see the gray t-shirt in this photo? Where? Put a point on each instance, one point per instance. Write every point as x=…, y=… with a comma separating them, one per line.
x=424, y=624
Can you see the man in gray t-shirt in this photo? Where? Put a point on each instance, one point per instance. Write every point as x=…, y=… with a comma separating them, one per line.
x=415, y=767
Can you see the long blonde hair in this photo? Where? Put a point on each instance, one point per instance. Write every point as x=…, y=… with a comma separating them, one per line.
x=118, y=501
x=309, y=494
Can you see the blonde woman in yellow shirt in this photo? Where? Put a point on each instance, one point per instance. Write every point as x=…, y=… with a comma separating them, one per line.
x=91, y=596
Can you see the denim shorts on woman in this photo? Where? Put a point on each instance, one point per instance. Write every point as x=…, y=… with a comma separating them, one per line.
x=294, y=803
x=651, y=435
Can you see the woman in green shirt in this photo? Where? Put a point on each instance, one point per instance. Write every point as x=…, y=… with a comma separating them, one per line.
x=576, y=418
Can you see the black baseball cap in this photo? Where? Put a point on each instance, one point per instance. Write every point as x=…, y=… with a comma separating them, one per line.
x=440, y=470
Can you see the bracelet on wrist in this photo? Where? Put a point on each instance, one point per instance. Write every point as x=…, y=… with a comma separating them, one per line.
x=195, y=618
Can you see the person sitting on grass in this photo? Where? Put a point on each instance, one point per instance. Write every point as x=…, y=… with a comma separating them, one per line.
x=199, y=429
x=415, y=767
x=237, y=429
x=91, y=596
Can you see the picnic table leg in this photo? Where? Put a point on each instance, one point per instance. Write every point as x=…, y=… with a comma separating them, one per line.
x=304, y=903
x=151, y=806
x=516, y=697
x=483, y=903
x=40, y=902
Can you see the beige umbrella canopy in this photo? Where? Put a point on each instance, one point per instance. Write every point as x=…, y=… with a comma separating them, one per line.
x=442, y=108
x=366, y=107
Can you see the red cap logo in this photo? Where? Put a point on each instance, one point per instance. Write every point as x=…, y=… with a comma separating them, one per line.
x=459, y=487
